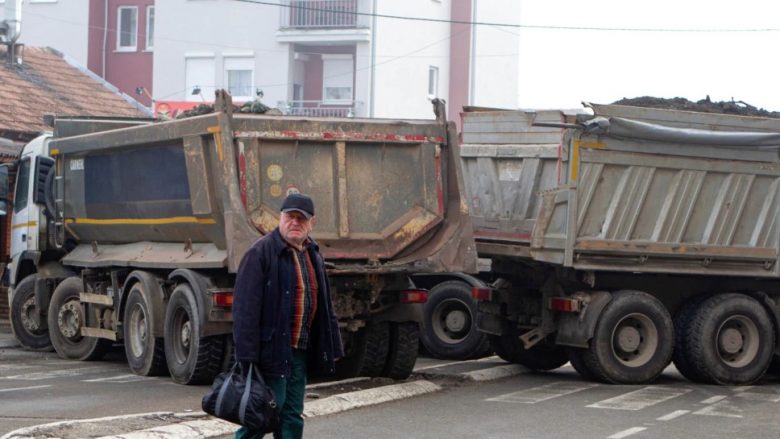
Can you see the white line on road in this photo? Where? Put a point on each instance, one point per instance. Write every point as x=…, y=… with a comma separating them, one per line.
x=628, y=432
x=24, y=388
x=759, y=396
x=37, y=376
x=723, y=409
x=642, y=398
x=714, y=399
x=336, y=383
x=542, y=393
x=673, y=415
x=494, y=373
x=450, y=363
x=127, y=378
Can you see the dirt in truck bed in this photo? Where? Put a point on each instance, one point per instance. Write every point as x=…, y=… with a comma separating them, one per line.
x=704, y=106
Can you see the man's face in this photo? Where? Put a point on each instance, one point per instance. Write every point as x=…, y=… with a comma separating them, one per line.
x=295, y=227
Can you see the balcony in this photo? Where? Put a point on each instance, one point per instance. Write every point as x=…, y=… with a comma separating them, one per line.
x=320, y=108
x=304, y=21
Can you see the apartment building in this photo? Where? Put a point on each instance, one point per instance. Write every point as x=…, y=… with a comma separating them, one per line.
x=361, y=58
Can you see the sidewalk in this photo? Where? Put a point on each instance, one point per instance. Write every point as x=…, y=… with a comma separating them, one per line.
x=7, y=339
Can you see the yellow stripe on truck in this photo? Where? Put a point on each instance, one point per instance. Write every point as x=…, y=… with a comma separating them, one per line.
x=144, y=221
x=27, y=224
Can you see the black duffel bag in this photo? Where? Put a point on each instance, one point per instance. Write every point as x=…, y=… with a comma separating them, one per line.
x=242, y=397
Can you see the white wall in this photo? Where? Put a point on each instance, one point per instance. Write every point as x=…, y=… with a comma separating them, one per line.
x=218, y=28
x=404, y=52
x=59, y=24
x=495, y=54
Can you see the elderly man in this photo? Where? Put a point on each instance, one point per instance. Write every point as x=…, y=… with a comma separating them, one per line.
x=283, y=318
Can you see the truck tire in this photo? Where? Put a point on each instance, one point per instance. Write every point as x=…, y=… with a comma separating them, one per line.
x=67, y=315
x=731, y=340
x=578, y=363
x=682, y=326
x=145, y=353
x=633, y=340
x=367, y=352
x=402, y=355
x=542, y=356
x=191, y=358
x=31, y=332
x=449, y=323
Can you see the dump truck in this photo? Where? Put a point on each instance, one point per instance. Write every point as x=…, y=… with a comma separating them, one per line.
x=132, y=232
x=644, y=237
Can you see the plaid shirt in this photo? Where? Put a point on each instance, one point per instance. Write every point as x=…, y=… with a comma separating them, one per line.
x=304, y=301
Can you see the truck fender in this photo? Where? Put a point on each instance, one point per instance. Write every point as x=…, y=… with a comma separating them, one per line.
x=200, y=285
x=430, y=280
x=153, y=287
x=23, y=265
x=576, y=329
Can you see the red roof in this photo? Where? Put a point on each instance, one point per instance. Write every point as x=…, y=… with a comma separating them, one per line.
x=45, y=83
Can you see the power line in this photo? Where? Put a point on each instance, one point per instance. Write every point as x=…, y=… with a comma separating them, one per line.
x=298, y=6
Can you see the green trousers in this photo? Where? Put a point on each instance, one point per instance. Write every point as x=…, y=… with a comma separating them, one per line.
x=289, y=392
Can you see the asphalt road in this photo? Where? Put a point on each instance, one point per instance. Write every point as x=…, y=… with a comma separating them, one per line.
x=561, y=405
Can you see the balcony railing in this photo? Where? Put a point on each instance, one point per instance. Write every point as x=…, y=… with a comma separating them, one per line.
x=319, y=108
x=304, y=14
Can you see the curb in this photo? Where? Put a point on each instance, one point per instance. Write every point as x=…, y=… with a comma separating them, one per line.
x=205, y=426
x=494, y=373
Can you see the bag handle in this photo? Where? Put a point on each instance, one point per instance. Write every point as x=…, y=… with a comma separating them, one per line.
x=222, y=391
x=247, y=393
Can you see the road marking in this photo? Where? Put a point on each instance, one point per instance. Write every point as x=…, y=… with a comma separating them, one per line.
x=714, y=399
x=756, y=396
x=450, y=363
x=628, y=432
x=336, y=383
x=642, y=398
x=673, y=415
x=127, y=378
x=24, y=388
x=494, y=373
x=37, y=376
x=542, y=393
x=723, y=409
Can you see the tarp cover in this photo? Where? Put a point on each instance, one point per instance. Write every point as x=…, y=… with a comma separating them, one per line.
x=627, y=128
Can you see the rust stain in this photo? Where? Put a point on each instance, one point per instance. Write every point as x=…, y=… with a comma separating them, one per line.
x=412, y=228
x=265, y=222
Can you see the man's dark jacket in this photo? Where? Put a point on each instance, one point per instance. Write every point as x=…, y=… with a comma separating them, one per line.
x=262, y=310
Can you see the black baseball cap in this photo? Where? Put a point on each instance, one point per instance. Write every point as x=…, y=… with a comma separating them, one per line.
x=300, y=203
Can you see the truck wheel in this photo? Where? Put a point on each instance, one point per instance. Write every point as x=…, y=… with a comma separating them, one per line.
x=404, y=338
x=191, y=358
x=633, y=339
x=67, y=315
x=682, y=326
x=449, y=323
x=578, y=363
x=731, y=340
x=542, y=356
x=367, y=352
x=145, y=353
x=29, y=330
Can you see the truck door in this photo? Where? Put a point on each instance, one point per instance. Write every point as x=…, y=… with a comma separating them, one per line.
x=22, y=226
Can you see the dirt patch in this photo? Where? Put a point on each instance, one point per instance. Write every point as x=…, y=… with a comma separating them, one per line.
x=703, y=106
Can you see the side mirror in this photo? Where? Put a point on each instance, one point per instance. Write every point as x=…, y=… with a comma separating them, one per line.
x=3, y=189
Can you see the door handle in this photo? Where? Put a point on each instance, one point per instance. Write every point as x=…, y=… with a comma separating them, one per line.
x=24, y=237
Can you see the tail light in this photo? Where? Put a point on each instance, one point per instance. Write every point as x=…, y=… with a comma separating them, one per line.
x=222, y=299
x=414, y=296
x=482, y=294
x=564, y=304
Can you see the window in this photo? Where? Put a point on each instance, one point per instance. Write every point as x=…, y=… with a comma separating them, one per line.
x=199, y=78
x=149, y=27
x=337, y=77
x=127, y=29
x=433, y=82
x=239, y=77
x=22, y=186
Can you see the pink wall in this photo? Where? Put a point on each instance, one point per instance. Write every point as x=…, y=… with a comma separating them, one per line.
x=460, y=56
x=126, y=70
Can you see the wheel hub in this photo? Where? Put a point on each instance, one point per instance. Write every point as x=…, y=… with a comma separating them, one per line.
x=186, y=335
x=731, y=341
x=69, y=319
x=456, y=321
x=29, y=316
x=629, y=339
